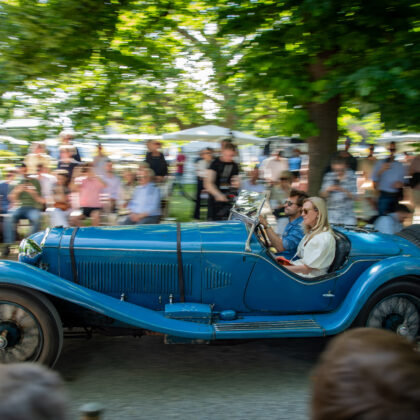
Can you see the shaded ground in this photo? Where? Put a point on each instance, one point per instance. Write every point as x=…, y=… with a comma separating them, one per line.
x=145, y=379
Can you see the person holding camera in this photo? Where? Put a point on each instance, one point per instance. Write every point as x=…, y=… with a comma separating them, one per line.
x=27, y=199
x=339, y=188
x=90, y=186
x=388, y=178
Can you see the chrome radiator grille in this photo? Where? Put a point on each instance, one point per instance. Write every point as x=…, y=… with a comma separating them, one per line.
x=114, y=277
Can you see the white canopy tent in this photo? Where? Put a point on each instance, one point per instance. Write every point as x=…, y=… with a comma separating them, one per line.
x=401, y=138
x=213, y=133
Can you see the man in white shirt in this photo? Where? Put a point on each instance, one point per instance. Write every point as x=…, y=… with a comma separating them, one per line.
x=145, y=204
x=273, y=166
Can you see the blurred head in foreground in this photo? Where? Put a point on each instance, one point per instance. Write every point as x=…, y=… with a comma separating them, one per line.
x=31, y=391
x=367, y=374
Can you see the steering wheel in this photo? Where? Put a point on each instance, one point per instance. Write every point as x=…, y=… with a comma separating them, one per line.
x=263, y=234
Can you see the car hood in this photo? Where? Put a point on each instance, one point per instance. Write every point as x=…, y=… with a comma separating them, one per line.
x=207, y=236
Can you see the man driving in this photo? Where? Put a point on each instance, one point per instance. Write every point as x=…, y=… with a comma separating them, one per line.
x=287, y=244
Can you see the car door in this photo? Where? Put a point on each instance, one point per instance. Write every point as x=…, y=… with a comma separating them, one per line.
x=272, y=288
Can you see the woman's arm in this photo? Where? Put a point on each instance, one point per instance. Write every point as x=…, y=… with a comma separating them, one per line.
x=299, y=269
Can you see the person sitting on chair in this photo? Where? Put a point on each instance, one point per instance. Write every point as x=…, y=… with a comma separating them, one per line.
x=145, y=204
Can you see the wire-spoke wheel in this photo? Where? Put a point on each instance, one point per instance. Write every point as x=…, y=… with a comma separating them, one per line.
x=30, y=327
x=395, y=307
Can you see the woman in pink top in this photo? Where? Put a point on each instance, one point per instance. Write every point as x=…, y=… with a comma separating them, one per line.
x=90, y=187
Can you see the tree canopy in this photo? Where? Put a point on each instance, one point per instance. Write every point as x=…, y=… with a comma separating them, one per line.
x=271, y=67
x=324, y=54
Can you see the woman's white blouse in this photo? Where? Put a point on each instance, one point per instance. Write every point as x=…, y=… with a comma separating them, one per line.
x=318, y=253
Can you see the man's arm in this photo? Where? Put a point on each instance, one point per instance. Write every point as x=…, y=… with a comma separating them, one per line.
x=35, y=193
x=275, y=240
x=210, y=186
x=327, y=185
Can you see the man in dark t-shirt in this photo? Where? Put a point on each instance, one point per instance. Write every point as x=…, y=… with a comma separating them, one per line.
x=222, y=183
x=156, y=160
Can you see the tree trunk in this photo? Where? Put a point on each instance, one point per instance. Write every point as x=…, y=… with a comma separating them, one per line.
x=322, y=146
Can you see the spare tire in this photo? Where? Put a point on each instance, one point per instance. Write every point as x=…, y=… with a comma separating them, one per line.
x=411, y=233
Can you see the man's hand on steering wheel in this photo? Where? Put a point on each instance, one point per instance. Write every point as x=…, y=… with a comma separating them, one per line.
x=263, y=225
x=263, y=221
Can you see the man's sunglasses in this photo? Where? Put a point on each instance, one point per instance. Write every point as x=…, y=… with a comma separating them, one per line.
x=289, y=203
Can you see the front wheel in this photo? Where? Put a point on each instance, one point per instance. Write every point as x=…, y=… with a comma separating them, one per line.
x=30, y=327
x=395, y=307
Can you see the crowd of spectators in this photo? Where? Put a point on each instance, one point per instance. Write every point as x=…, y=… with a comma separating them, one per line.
x=363, y=190
x=69, y=191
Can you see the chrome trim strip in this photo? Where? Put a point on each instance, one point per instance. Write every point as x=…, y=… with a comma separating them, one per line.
x=266, y=325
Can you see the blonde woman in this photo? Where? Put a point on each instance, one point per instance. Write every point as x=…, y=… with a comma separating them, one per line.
x=316, y=250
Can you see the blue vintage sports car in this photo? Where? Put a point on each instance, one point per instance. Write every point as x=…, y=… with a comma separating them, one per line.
x=199, y=282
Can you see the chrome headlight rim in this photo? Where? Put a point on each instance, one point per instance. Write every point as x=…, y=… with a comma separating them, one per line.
x=29, y=248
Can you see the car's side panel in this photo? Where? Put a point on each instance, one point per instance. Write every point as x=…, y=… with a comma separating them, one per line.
x=14, y=273
x=368, y=282
x=224, y=278
x=272, y=288
x=346, y=277
x=146, y=277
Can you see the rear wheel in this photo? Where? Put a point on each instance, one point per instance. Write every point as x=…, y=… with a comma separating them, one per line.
x=395, y=307
x=30, y=327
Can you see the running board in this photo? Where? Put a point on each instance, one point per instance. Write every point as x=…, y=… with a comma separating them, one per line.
x=268, y=329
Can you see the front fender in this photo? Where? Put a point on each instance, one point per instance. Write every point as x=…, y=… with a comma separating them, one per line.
x=16, y=273
x=369, y=281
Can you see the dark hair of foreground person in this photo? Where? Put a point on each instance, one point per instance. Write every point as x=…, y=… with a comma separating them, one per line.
x=31, y=392
x=367, y=374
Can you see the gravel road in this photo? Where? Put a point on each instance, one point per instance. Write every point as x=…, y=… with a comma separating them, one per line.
x=145, y=379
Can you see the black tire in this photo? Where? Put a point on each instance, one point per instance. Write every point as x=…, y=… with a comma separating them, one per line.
x=395, y=307
x=411, y=233
x=34, y=329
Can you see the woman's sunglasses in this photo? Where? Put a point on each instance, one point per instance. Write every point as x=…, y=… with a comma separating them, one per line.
x=306, y=211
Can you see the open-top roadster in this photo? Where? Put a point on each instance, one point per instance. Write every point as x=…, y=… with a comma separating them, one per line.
x=198, y=282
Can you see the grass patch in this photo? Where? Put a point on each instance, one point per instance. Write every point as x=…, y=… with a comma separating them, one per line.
x=180, y=207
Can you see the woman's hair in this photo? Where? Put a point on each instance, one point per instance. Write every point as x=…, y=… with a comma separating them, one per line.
x=322, y=224
x=367, y=374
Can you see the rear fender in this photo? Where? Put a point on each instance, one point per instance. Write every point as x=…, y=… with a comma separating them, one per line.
x=25, y=275
x=369, y=281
